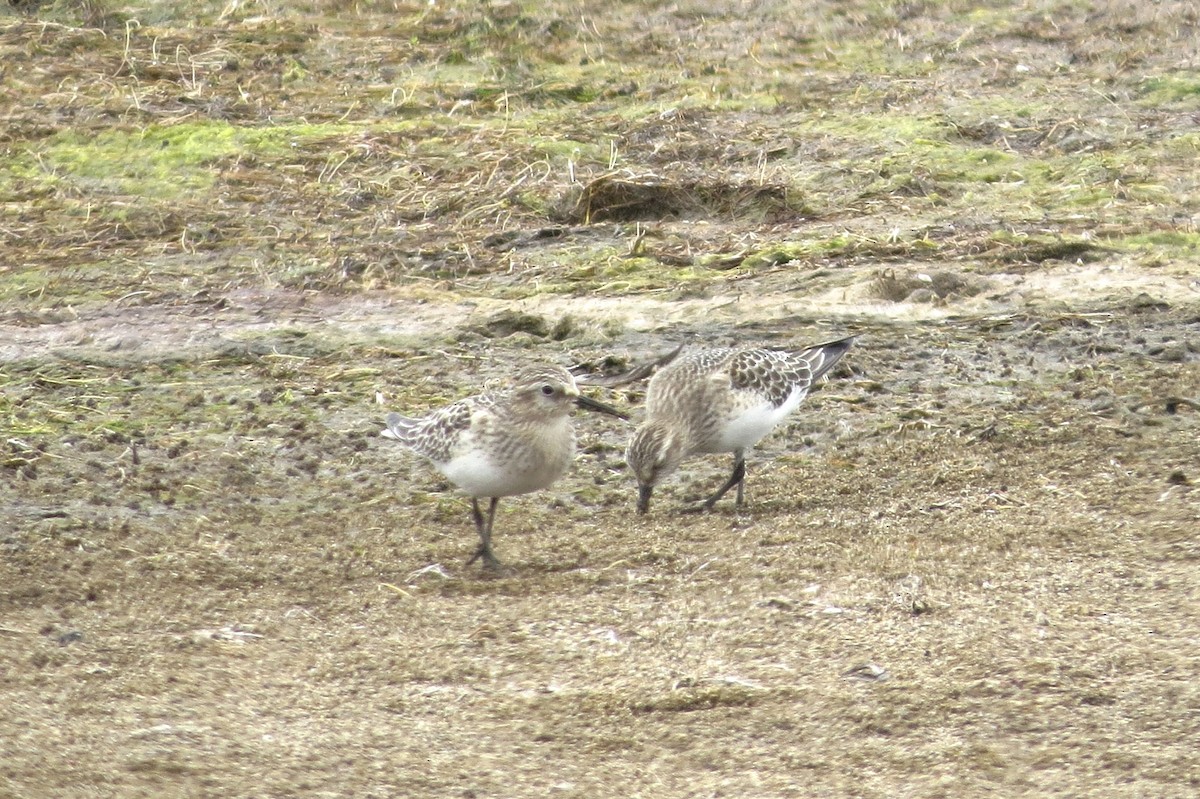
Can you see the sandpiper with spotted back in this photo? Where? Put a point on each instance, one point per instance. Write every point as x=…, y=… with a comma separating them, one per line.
x=502, y=443
x=721, y=400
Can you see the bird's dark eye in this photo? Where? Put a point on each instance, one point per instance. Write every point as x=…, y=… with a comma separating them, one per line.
x=547, y=389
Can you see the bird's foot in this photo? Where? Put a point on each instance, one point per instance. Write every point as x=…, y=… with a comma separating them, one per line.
x=491, y=564
x=709, y=506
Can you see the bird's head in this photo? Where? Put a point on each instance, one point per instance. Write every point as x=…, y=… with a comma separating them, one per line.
x=553, y=389
x=654, y=452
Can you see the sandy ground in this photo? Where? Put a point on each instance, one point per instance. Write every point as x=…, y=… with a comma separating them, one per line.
x=968, y=565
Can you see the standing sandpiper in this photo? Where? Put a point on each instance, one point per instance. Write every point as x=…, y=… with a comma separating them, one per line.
x=501, y=443
x=721, y=400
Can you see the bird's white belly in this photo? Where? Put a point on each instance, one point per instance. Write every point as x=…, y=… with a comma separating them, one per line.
x=480, y=476
x=749, y=424
x=482, y=472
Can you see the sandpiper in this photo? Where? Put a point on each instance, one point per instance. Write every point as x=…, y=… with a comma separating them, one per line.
x=502, y=443
x=721, y=400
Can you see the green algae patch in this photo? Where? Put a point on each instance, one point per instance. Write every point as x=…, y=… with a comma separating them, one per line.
x=618, y=271
x=838, y=247
x=881, y=128
x=1181, y=88
x=1168, y=243
x=787, y=252
x=74, y=285
x=563, y=150
x=161, y=161
x=154, y=163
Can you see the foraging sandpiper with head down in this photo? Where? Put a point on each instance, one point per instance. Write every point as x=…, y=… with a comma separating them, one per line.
x=721, y=400
x=501, y=443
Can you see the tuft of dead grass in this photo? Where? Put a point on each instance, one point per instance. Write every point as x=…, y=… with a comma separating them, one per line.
x=651, y=198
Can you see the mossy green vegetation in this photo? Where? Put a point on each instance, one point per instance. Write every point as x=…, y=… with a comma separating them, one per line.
x=1181, y=88
x=450, y=124
x=159, y=162
x=1173, y=243
x=152, y=163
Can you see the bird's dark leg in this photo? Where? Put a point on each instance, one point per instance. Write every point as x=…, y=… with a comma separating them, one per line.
x=738, y=478
x=740, y=464
x=480, y=528
x=484, y=528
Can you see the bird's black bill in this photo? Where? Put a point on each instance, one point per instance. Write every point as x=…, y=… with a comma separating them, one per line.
x=589, y=404
x=644, y=492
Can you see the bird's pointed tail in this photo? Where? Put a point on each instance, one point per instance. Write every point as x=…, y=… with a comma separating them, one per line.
x=823, y=357
x=398, y=427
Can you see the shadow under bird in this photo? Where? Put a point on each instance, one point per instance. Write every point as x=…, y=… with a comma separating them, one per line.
x=501, y=443
x=721, y=400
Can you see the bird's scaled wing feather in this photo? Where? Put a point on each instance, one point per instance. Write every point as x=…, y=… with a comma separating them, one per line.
x=434, y=434
x=823, y=357
x=398, y=426
x=772, y=374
